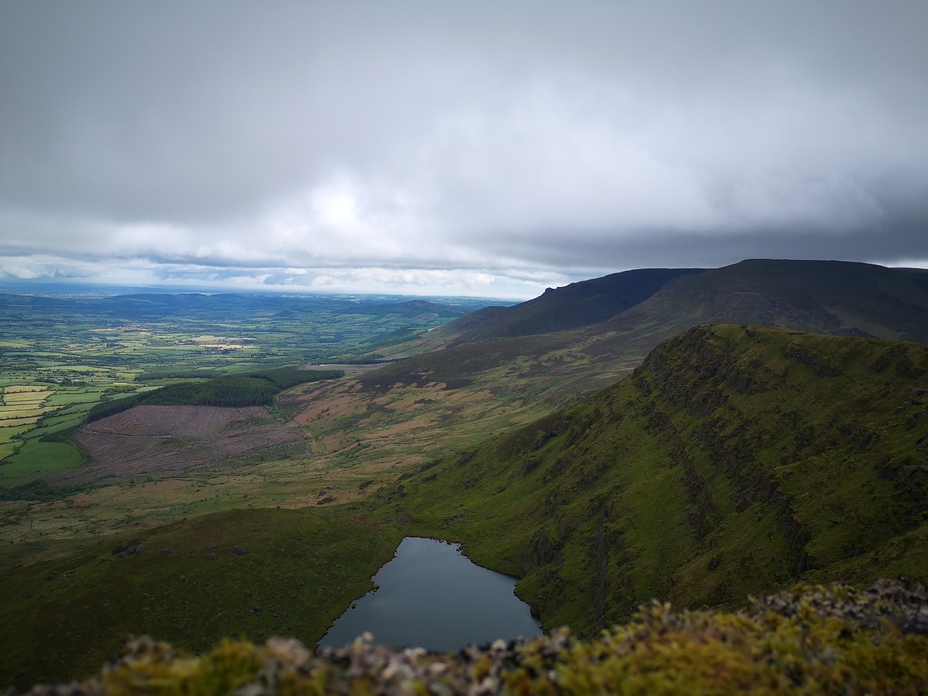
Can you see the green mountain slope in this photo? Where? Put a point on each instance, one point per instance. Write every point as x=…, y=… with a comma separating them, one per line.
x=255, y=573
x=733, y=461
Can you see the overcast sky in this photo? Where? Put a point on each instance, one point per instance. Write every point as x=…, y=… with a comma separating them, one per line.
x=456, y=147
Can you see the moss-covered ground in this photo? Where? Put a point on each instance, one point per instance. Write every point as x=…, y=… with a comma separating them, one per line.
x=247, y=573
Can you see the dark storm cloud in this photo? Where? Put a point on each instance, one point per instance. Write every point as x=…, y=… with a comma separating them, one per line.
x=479, y=147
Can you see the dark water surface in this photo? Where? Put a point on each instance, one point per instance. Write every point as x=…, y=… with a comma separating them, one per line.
x=432, y=596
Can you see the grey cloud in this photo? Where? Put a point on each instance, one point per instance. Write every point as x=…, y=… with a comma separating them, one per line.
x=542, y=136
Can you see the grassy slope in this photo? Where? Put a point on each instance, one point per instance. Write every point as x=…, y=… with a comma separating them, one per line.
x=733, y=461
x=61, y=619
x=447, y=399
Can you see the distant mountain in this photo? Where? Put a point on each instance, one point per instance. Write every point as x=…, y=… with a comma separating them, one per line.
x=153, y=305
x=734, y=460
x=573, y=306
x=830, y=297
x=646, y=306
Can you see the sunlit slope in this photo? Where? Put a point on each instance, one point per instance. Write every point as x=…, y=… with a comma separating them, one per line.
x=255, y=573
x=733, y=461
x=456, y=396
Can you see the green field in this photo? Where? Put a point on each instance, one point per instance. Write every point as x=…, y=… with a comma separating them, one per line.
x=30, y=413
x=36, y=457
x=9, y=433
x=67, y=397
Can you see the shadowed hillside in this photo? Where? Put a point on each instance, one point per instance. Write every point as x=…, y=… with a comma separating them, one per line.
x=733, y=461
x=573, y=306
x=829, y=297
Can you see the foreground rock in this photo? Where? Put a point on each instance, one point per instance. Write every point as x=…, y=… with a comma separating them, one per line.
x=813, y=639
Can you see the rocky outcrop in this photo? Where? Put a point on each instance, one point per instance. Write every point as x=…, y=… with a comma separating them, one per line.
x=812, y=639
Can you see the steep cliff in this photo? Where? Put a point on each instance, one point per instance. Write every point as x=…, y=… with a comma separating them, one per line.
x=734, y=460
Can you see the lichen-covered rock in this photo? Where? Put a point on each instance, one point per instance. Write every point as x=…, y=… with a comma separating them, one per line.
x=811, y=640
